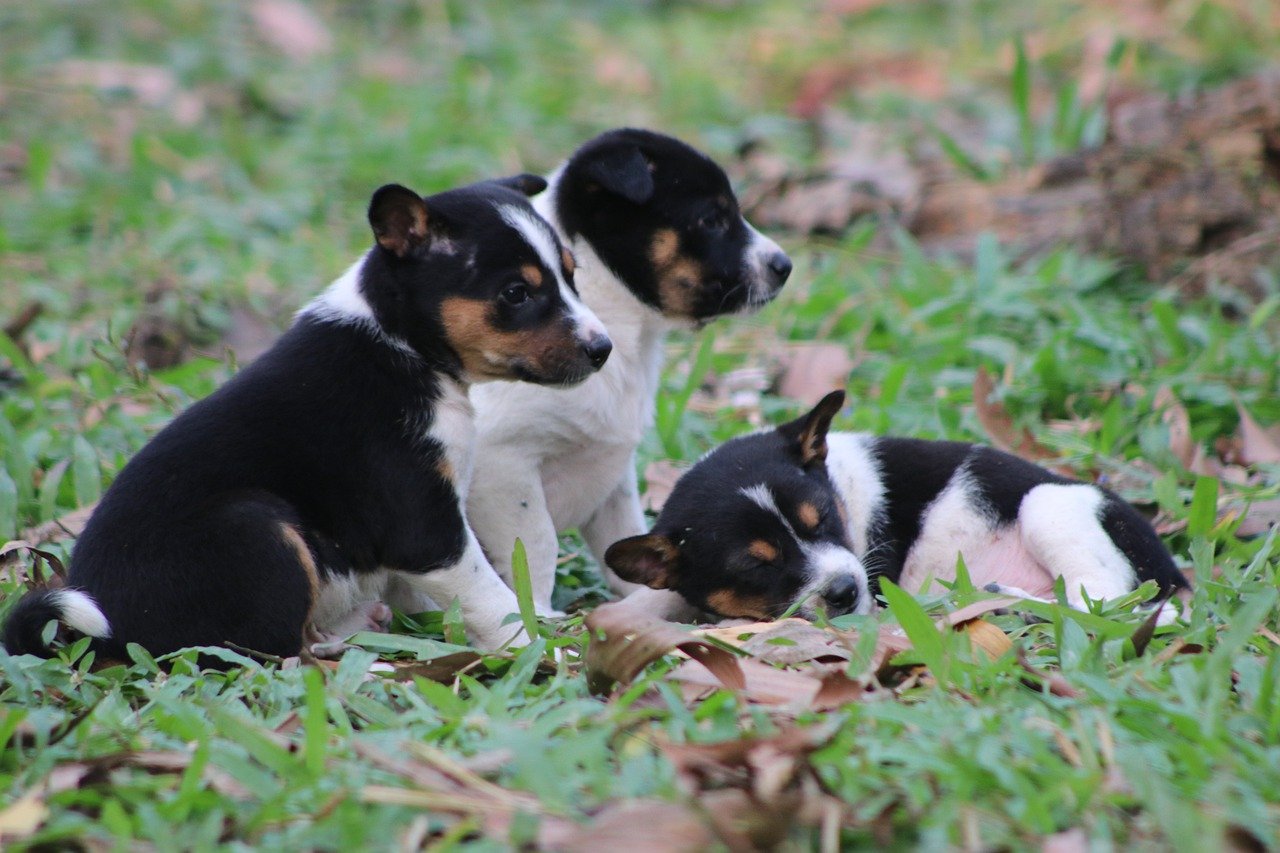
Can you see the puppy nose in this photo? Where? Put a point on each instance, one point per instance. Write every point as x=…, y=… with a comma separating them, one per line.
x=780, y=266
x=597, y=350
x=841, y=594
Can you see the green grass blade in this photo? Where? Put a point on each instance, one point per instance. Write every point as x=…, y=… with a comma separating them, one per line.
x=524, y=588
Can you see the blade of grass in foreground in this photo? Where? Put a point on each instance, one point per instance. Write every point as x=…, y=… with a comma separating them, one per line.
x=524, y=589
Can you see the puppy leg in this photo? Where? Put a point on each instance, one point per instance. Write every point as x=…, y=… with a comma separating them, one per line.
x=1062, y=528
x=484, y=599
x=617, y=518
x=506, y=502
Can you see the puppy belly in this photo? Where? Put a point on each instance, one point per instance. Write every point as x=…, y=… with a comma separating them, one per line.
x=576, y=486
x=990, y=557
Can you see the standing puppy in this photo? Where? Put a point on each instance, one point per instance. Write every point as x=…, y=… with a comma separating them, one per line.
x=341, y=456
x=796, y=516
x=659, y=242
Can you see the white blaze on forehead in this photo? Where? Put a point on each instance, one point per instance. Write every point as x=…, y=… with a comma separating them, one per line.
x=537, y=233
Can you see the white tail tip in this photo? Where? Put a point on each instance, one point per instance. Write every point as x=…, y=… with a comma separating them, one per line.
x=81, y=612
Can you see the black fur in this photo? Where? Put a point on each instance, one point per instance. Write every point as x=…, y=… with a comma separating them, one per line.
x=23, y=630
x=622, y=188
x=326, y=433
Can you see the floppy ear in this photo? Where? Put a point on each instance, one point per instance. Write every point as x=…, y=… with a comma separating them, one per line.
x=808, y=434
x=623, y=171
x=649, y=559
x=398, y=216
x=525, y=183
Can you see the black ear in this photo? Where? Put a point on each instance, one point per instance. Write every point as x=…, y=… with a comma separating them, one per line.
x=525, y=183
x=808, y=434
x=398, y=216
x=649, y=559
x=623, y=171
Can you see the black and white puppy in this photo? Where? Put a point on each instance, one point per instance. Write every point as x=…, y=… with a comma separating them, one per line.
x=795, y=515
x=660, y=243
x=339, y=459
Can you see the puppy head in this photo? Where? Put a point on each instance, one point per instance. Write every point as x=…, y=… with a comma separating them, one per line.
x=755, y=527
x=664, y=219
x=474, y=278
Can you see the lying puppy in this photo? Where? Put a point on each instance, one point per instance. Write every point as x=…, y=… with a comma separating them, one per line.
x=659, y=242
x=341, y=456
x=796, y=516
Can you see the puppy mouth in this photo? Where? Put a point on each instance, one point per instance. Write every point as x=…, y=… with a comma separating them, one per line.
x=562, y=377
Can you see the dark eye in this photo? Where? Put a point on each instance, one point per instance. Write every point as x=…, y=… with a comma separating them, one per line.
x=713, y=222
x=515, y=294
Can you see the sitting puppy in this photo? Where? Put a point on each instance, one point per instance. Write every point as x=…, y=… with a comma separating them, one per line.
x=659, y=242
x=340, y=457
x=797, y=516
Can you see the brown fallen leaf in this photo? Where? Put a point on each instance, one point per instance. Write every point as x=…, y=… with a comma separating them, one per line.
x=1259, y=517
x=664, y=828
x=813, y=370
x=1175, y=417
x=67, y=526
x=763, y=684
x=21, y=818
x=292, y=28
x=999, y=426
x=623, y=642
x=986, y=637
x=443, y=669
x=786, y=641
x=57, y=571
x=1037, y=680
x=1256, y=444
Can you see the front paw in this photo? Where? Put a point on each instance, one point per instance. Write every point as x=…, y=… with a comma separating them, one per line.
x=509, y=636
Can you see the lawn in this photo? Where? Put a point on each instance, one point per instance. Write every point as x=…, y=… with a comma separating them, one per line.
x=178, y=177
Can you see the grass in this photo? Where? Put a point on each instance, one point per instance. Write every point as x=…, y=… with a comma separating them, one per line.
x=255, y=201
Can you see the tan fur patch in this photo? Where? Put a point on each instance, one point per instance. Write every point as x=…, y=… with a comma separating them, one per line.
x=532, y=274
x=762, y=550
x=491, y=353
x=808, y=515
x=293, y=539
x=445, y=469
x=566, y=258
x=726, y=602
x=662, y=251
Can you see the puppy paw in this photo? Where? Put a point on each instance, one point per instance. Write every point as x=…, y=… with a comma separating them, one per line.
x=330, y=641
x=510, y=636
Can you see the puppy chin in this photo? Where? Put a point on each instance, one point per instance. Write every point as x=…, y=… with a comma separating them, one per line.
x=561, y=376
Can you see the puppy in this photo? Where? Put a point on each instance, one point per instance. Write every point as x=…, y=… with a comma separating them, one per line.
x=340, y=457
x=794, y=516
x=660, y=243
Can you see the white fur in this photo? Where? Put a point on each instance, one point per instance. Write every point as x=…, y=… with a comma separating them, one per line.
x=953, y=524
x=453, y=425
x=343, y=302
x=79, y=611
x=856, y=476
x=1061, y=527
x=760, y=251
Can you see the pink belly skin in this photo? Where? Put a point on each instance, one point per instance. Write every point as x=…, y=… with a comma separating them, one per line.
x=1004, y=559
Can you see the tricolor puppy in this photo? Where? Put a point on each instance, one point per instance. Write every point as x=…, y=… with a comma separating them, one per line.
x=794, y=515
x=660, y=243
x=338, y=461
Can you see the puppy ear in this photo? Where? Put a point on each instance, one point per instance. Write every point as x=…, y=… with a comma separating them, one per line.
x=624, y=172
x=525, y=183
x=649, y=559
x=398, y=216
x=808, y=434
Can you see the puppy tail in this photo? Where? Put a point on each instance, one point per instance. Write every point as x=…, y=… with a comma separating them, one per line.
x=23, y=633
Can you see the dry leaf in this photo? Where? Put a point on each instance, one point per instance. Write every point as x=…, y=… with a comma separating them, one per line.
x=1174, y=414
x=813, y=370
x=1038, y=680
x=443, y=669
x=150, y=85
x=1259, y=517
x=1071, y=841
x=292, y=28
x=762, y=684
x=786, y=641
x=660, y=479
x=999, y=426
x=993, y=642
x=623, y=642
x=23, y=817
x=1256, y=444
x=664, y=828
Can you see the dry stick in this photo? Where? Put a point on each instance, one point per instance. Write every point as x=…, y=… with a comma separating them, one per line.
x=18, y=325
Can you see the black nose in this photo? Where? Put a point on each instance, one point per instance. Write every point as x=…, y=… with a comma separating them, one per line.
x=841, y=594
x=597, y=350
x=780, y=266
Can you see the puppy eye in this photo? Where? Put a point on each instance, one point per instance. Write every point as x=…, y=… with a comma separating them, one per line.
x=713, y=222
x=515, y=294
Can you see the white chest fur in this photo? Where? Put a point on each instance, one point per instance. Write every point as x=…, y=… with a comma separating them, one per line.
x=453, y=425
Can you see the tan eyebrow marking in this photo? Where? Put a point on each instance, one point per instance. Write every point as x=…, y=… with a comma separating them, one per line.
x=808, y=514
x=762, y=550
x=532, y=274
